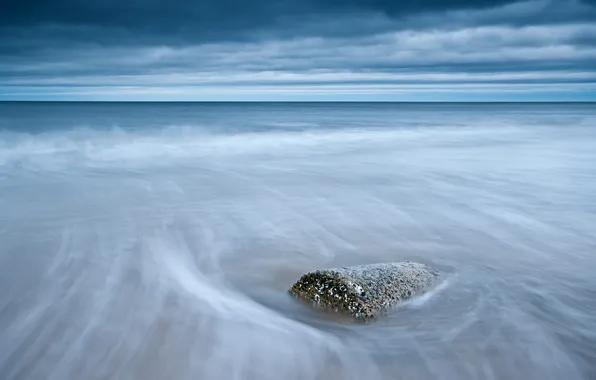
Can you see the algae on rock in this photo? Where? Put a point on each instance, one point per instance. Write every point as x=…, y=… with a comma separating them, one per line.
x=365, y=291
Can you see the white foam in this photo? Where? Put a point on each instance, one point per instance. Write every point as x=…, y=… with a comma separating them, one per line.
x=420, y=301
x=117, y=147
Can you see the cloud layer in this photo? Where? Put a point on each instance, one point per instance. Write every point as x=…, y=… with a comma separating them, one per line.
x=298, y=50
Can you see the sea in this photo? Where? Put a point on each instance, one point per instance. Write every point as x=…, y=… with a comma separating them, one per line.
x=157, y=241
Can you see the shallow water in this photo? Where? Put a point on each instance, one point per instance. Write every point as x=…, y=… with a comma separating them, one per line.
x=157, y=241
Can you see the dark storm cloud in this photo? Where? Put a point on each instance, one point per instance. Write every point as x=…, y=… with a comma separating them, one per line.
x=191, y=47
x=162, y=16
x=183, y=21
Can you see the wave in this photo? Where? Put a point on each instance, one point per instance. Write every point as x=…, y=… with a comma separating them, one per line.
x=117, y=147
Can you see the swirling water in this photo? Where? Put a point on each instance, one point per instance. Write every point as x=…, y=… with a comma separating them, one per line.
x=157, y=241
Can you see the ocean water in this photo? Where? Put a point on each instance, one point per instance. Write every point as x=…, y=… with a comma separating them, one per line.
x=158, y=240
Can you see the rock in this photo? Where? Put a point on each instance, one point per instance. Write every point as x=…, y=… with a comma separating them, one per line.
x=365, y=291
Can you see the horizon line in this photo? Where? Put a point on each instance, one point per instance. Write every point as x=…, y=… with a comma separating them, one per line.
x=305, y=101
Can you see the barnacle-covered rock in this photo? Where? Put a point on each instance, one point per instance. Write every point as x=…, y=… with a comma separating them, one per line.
x=365, y=291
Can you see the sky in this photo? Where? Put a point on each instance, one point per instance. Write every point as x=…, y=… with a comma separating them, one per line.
x=298, y=50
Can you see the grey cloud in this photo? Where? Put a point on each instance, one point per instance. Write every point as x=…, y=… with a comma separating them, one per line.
x=479, y=49
x=310, y=46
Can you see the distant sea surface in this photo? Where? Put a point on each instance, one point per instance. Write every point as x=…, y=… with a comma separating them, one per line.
x=157, y=241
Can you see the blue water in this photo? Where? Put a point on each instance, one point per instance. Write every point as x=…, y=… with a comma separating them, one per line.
x=157, y=240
